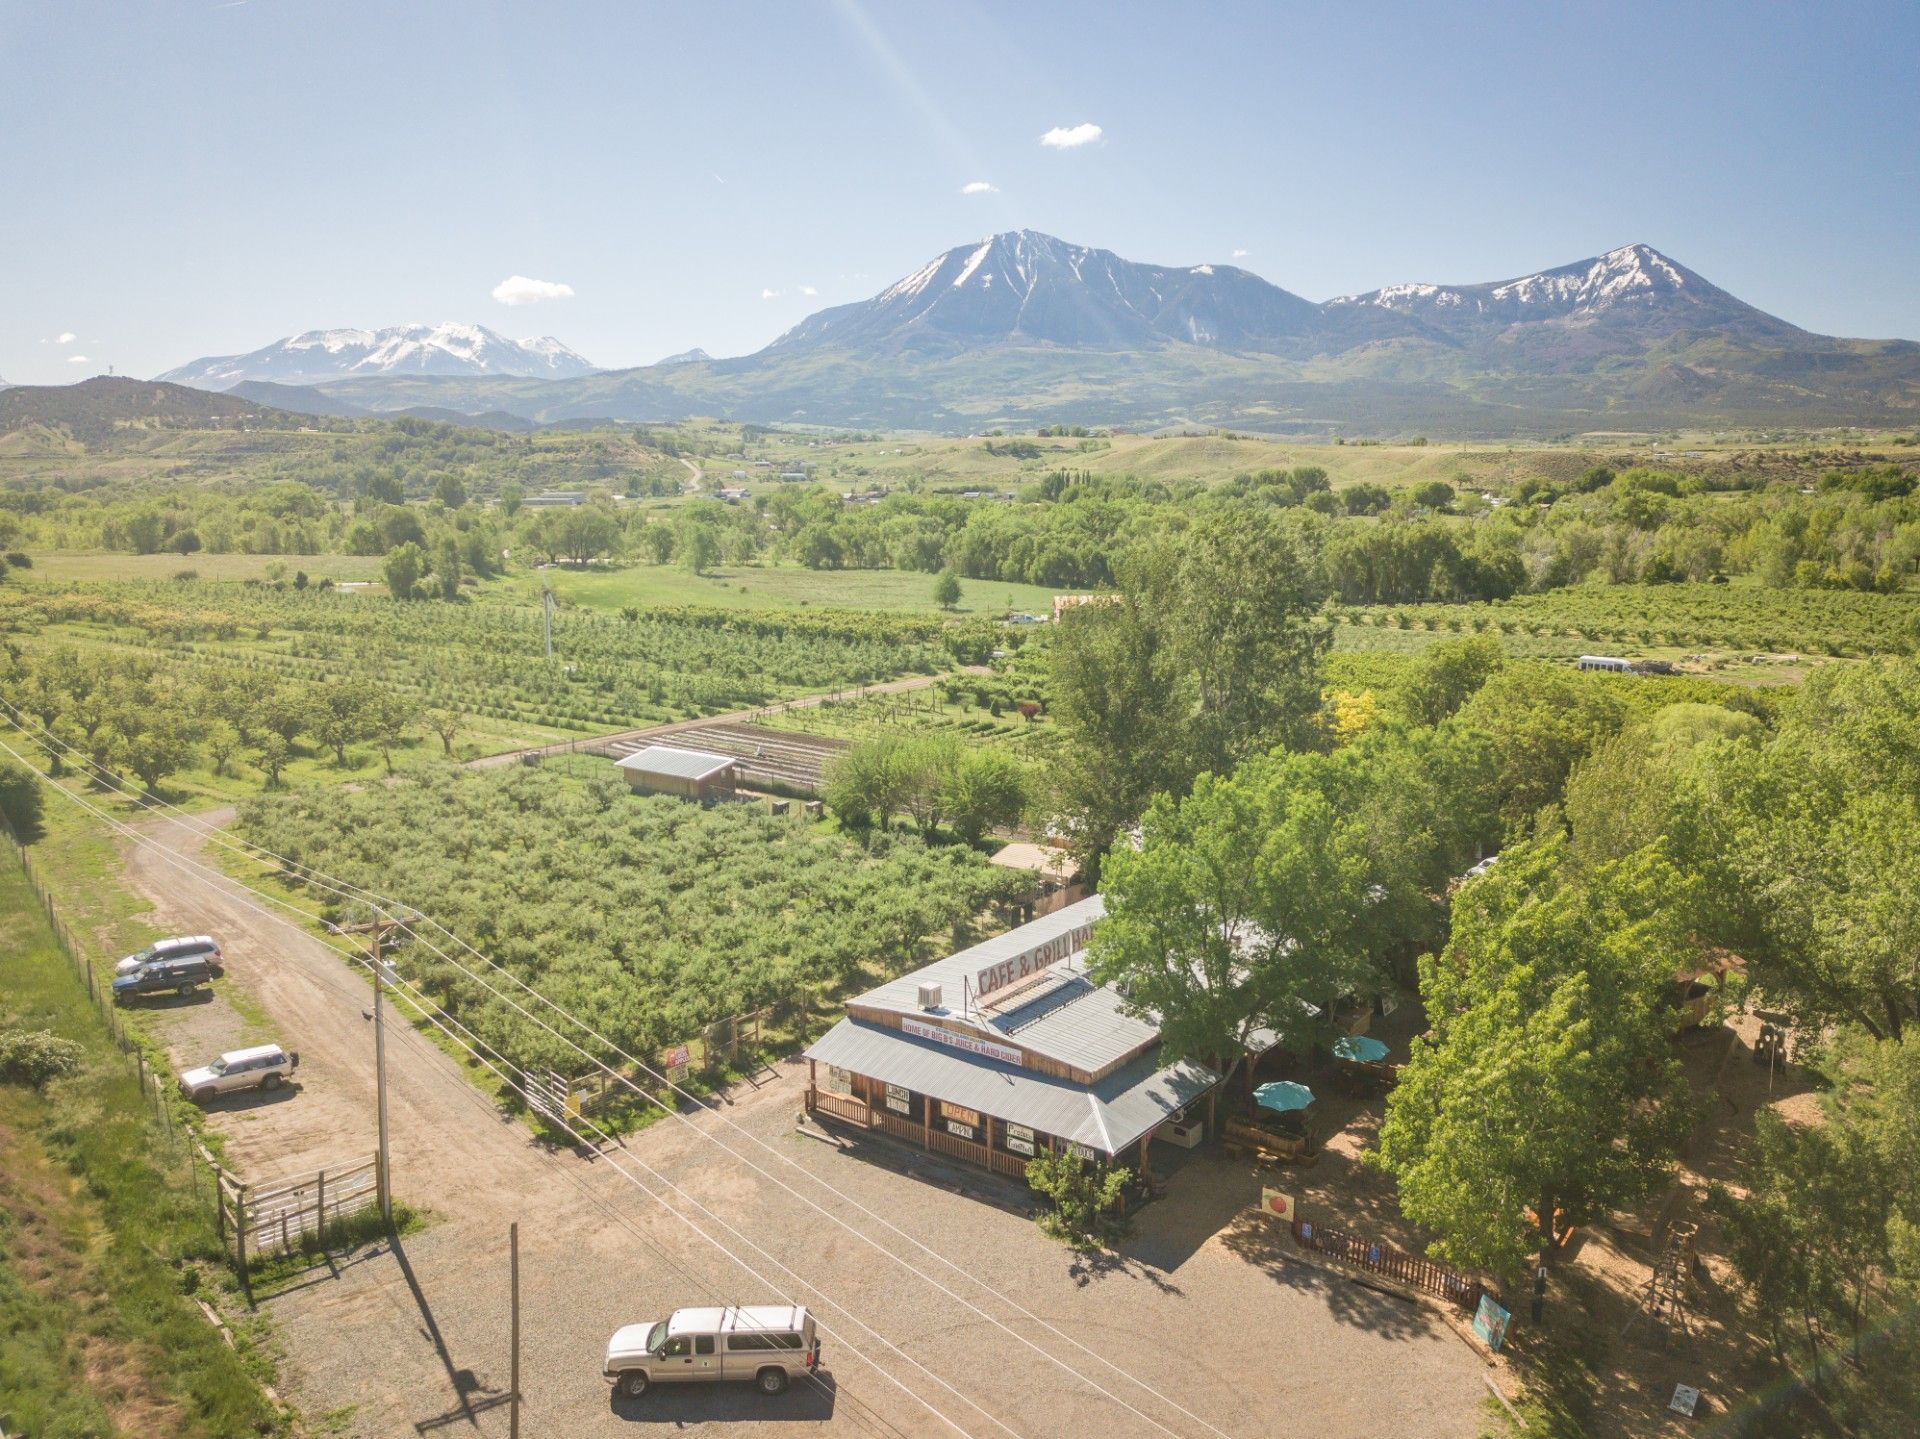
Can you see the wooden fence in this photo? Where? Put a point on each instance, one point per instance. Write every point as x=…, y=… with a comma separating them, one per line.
x=1374, y=1257
x=259, y=1219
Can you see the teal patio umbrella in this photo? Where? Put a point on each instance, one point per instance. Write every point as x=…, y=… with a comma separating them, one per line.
x=1362, y=1048
x=1283, y=1096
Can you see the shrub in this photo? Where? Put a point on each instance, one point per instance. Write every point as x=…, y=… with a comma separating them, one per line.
x=36, y=1057
x=1083, y=1196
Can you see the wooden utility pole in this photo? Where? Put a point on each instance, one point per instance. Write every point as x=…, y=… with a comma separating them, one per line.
x=513, y=1374
x=380, y=1061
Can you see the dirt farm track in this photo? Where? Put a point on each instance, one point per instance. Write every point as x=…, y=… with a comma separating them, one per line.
x=1237, y=1336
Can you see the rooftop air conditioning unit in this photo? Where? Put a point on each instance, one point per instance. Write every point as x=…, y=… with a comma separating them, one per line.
x=930, y=995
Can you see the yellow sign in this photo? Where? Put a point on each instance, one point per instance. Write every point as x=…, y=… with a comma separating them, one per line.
x=1279, y=1205
x=959, y=1112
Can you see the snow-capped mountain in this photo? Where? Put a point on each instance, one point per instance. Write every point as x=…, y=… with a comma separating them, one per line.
x=1024, y=329
x=1634, y=287
x=1028, y=288
x=448, y=349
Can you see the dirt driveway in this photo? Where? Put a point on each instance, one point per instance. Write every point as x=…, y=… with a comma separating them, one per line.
x=412, y=1338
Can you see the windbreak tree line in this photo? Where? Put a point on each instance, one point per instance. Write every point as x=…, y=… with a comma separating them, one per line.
x=647, y=916
x=1847, y=527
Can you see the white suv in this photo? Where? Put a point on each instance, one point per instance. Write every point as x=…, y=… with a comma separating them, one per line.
x=185, y=946
x=265, y=1066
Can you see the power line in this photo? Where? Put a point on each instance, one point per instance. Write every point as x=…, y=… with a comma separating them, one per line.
x=425, y=1006
x=325, y=882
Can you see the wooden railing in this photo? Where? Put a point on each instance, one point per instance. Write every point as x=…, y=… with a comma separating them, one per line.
x=840, y=1106
x=1390, y=1263
x=1014, y=1166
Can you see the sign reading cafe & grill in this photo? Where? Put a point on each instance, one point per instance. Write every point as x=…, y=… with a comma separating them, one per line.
x=1005, y=973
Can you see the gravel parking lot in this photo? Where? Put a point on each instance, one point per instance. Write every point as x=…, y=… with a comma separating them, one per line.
x=1203, y=1304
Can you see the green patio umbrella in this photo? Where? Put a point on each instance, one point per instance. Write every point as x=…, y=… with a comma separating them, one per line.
x=1363, y=1048
x=1283, y=1096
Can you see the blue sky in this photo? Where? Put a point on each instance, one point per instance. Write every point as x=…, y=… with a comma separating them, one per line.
x=195, y=178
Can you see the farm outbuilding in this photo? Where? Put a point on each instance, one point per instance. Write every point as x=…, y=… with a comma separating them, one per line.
x=689, y=773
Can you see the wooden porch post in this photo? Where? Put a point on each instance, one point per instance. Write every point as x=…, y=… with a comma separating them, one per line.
x=810, y=1082
x=1146, y=1165
x=926, y=1121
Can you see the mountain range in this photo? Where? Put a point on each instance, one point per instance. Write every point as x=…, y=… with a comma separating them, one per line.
x=322, y=355
x=1022, y=328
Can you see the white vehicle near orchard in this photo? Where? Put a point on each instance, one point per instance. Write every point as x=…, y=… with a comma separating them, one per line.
x=769, y=1344
x=265, y=1066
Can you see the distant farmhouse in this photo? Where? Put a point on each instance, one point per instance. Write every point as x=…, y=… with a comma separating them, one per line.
x=1063, y=603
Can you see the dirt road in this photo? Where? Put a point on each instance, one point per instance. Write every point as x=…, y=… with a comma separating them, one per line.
x=412, y=1337
x=674, y=727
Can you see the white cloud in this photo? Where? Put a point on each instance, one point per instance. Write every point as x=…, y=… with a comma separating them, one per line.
x=1070, y=137
x=1239, y=254
x=519, y=290
x=808, y=290
x=979, y=187
x=78, y=360
x=769, y=294
x=65, y=337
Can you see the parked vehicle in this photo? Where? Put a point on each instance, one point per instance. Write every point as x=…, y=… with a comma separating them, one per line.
x=185, y=946
x=166, y=976
x=770, y=1344
x=265, y=1066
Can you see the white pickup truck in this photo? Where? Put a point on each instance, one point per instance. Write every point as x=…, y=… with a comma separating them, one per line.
x=769, y=1344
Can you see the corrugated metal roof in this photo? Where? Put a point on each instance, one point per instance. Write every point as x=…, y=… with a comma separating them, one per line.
x=1064, y=1015
x=1074, y=1020
x=1107, y=1116
x=691, y=764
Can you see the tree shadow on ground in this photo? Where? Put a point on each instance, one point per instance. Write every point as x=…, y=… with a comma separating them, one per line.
x=1085, y=1268
x=1350, y=1298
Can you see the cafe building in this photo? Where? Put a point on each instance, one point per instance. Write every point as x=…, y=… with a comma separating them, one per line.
x=1004, y=1051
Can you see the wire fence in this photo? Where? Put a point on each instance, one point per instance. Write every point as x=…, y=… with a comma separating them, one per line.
x=250, y=1220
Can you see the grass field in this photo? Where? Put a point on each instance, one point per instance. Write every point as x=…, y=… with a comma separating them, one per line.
x=102, y=1240
x=54, y=566
x=762, y=587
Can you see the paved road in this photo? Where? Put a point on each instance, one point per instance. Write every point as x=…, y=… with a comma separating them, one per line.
x=412, y=1338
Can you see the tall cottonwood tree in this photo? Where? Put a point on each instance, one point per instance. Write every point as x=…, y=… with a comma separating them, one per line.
x=1208, y=654
x=1810, y=843
x=1242, y=906
x=1549, y=1082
